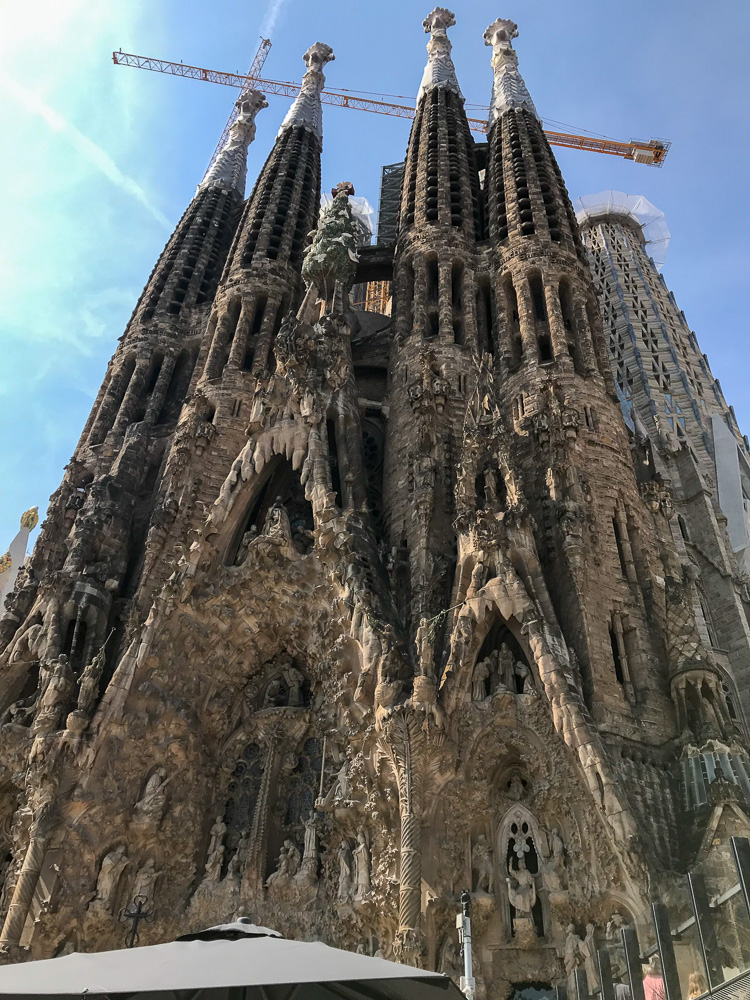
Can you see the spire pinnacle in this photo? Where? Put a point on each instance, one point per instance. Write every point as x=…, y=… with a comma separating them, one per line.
x=439, y=71
x=509, y=91
x=306, y=109
x=229, y=169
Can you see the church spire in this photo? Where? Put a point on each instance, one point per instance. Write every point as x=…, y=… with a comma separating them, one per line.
x=229, y=169
x=509, y=92
x=306, y=109
x=439, y=71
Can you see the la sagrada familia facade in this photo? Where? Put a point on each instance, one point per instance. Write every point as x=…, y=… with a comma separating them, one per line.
x=337, y=614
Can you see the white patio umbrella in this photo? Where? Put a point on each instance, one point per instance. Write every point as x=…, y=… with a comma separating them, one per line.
x=238, y=961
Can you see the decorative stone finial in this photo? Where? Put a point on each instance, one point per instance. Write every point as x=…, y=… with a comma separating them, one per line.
x=306, y=108
x=440, y=71
x=509, y=91
x=30, y=518
x=229, y=169
x=332, y=255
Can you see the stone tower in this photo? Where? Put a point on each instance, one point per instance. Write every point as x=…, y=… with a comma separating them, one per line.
x=349, y=612
x=669, y=396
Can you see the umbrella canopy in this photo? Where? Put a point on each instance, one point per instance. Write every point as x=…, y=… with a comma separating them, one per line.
x=238, y=961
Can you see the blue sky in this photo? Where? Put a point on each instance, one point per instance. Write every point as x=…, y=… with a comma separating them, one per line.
x=100, y=161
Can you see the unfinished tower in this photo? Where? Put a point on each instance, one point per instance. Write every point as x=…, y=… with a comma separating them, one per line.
x=346, y=612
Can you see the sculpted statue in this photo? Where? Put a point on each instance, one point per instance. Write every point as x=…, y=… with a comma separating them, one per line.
x=311, y=837
x=557, y=847
x=588, y=953
x=481, y=863
x=237, y=864
x=505, y=665
x=572, y=955
x=242, y=551
x=522, y=677
x=362, y=863
x=112, y=868
x=479, y=680
x=276, y=524
x=448, y=964
x=386, y=695
x=345, y=871
x=521, y=888
x=152, y=802
x=423, y=642
x=288, y=864
x=295, y=679
x=276, y=694
x=215, y=855
x=145, y=882
x=56, y=698
x=88, y=685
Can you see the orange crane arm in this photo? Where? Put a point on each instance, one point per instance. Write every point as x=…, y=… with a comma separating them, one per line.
x=652, y=152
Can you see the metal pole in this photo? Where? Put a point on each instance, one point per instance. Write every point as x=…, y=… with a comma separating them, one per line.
x=741, y=855
x=605, y=974
x=633, y=962
x=706, y=930
x=666, y=951
x=581, y=984
x=463, y=923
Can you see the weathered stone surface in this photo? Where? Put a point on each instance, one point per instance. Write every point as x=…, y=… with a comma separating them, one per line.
x=367, y=614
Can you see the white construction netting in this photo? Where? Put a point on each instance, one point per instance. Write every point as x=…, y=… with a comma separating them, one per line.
x=635, y=206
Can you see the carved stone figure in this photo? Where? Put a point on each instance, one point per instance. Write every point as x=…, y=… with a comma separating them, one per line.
x=288, y=865
x=145, y=882
x=362, y=866
x=521, y=888
x=295, y=679
x=572, y=955
x=154, y=799
x=522, y=677
x=479, y=680
x=311, y=837
x=449, y=962
x=88, y=686
x=481, y=863
x=588, y=953
x=345, y=871
x=56, y=698
x=112, y=868
x=423, y=642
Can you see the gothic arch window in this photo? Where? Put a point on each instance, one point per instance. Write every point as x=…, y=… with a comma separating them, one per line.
x=280, y=484
x=298, y=793
x=242, y=795
x=706, y=612
x=519, y=845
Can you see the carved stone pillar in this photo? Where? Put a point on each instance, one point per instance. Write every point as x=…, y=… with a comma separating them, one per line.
x=160, y=389
x=218, y=347
x=420, y=296
x=23, y=893
x=241, y=334
x=106, y=415
x=445, y=300
x=526, y=320
x=254, y=873
x=558, y=334
x=132, y=395
x=265, y=334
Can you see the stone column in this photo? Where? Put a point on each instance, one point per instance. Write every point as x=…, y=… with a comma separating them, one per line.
x=23, y=894
x=526, y=320
x=241, y=334
x=265, y=335
x=620, y=641
x=254, y=873
x=558, y=333
x=218, y=347
x=445, y=300
x=106, y=415
x=470, y=319
x=420, y=296
x=627, y=552
x=132, y=395
x=160, y=389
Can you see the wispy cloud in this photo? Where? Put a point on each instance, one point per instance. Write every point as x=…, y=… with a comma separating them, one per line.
x=272, y=16
x=95, y=155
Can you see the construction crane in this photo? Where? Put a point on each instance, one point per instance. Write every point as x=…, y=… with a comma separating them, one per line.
x=653, y=152
x=253, y=76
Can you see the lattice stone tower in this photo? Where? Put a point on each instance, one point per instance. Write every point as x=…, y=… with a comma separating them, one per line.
x=336, y=613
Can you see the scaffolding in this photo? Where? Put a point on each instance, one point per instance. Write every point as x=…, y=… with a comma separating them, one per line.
x=390, y=202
